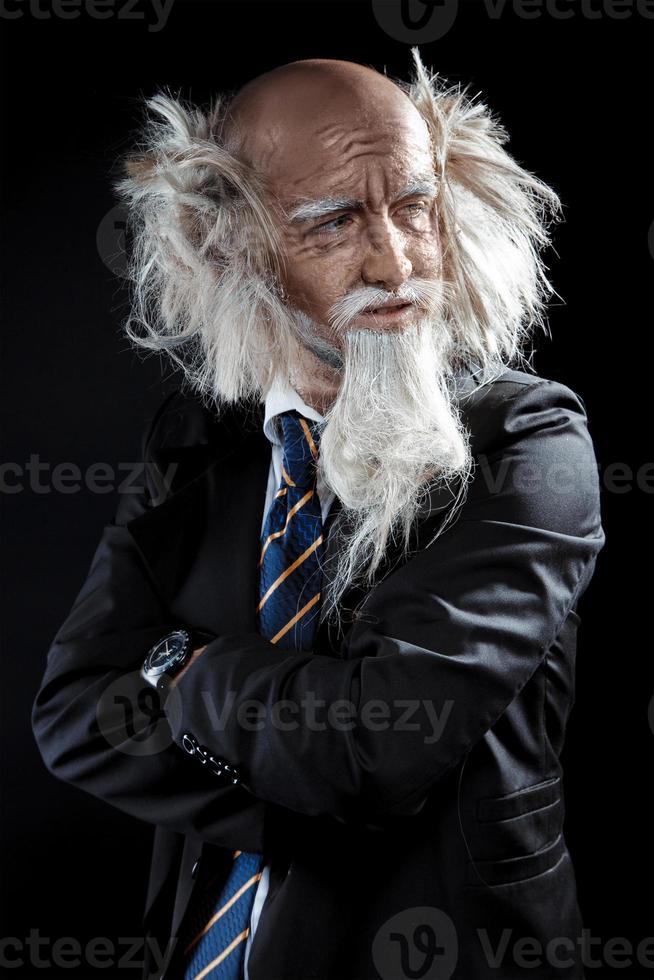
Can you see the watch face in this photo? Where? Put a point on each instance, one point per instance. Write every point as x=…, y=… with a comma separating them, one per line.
x=168, y=652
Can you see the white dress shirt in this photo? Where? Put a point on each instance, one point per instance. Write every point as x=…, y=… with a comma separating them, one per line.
x=281, y=398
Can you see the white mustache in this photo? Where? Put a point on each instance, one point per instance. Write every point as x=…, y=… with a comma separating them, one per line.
x=427, y=294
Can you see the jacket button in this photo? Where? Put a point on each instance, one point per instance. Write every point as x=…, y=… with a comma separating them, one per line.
x=189, y=742
x=194, y=869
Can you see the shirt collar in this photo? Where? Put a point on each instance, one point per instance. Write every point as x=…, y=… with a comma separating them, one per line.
x=282, y=397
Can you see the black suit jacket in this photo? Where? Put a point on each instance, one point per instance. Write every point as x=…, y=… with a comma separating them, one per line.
x=417, y=832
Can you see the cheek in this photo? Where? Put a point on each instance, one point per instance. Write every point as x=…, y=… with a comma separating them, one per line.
x=423, y=247
x=314, y=282
x=425, y=255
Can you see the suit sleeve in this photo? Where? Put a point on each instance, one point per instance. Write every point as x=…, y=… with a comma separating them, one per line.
x=450, y=638
x=98, y=725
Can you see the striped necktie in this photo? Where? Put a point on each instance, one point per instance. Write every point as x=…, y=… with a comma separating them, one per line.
x=292, y=543
x=290, y=578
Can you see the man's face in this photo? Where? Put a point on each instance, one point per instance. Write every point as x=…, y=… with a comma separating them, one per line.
x=358, y=202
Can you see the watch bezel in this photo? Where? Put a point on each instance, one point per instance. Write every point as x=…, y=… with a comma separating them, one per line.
x=176, y=660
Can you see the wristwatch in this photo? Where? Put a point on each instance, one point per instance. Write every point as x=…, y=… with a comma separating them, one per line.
x=169, y=654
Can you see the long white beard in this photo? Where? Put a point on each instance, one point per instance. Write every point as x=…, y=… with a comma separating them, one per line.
x=392, y=433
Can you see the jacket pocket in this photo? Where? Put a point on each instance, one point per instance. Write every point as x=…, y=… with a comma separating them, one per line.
x=518, y=835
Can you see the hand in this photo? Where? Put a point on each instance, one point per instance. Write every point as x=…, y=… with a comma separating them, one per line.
x=194, y=657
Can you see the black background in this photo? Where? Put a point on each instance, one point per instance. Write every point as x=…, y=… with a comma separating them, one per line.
x=575, y=94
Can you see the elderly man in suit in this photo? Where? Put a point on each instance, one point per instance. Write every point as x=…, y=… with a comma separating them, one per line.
x=350, y=576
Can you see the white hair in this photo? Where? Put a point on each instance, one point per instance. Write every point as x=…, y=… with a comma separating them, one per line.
x=206, y=267
x=205, y=261
x=494, y=218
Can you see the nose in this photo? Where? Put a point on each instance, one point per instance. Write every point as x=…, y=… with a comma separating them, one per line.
x=385, y=263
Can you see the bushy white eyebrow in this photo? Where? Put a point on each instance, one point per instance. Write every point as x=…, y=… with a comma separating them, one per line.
x=314, y=210
x=420, y=188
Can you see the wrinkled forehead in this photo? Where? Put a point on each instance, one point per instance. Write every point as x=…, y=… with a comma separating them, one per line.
x=333, y=142
x=348, y=156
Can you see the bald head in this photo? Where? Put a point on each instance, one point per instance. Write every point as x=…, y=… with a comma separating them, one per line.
x=309, y=104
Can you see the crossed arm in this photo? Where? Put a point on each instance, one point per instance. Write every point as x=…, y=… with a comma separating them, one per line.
x=455, y=633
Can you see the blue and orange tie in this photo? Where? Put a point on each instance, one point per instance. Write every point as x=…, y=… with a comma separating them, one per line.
x=290, y=578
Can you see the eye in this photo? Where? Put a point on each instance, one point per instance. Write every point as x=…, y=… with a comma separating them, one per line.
x=336, y=224
x=416, y=207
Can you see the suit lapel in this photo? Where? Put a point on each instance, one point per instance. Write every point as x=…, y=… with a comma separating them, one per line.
x=200, y=545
